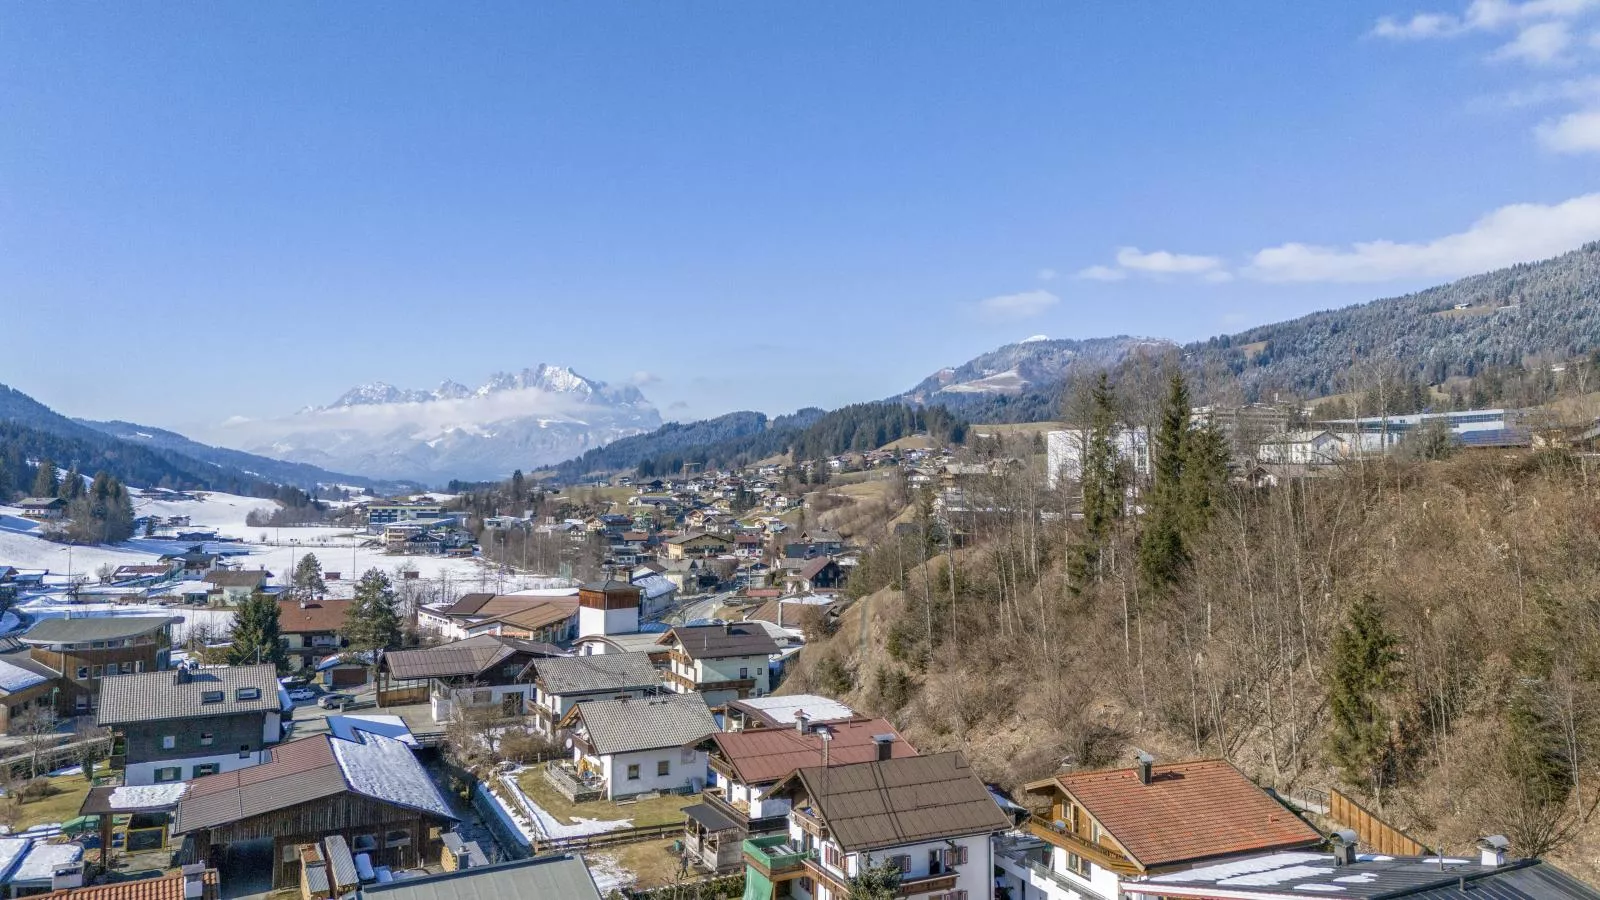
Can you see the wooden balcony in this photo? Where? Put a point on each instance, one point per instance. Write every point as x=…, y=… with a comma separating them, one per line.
x=743, y=685
x=1072, y=842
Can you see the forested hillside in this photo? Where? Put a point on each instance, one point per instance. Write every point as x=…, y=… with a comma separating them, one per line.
x=300, y=475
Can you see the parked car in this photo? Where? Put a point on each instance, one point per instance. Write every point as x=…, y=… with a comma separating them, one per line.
x=300, y=695
x=334, y=701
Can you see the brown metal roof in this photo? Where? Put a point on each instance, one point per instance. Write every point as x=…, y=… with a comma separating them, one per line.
x=299, y=772
x=876, y=805
x=719, y=641
x=462, y=658
x=1188, y=811
x=533, y=618
x=467, y=605
x=764, y=755
x=315, y=617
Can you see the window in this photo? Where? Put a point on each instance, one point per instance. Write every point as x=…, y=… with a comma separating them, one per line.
x=663, y=768
x=247, y=693
x=936, y=862
x=138, y=666
x=832, y=856
x=1077, y=865
x=291, y=852
x=633, y=772
x=205, y=738
x=244, y=751
x=172, y=773
x=955, y=857
x=901, y=863
x=83, y=673
x=168, y=742
x=206, y=769
x=80, y=703
x=211, y=696
x=397, y=838
x=364, y=842
x=744, y=672
x=97, y=670
x=127, y=668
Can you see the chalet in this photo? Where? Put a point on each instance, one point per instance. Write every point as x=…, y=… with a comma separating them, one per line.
x=562, y=682
x=229, y=587
x=723, y=662
x=747, y=764
x=1281, y=876
x=930, y=817
x=1302, y=448
x=562, y=876
x=25, y=685
x=656, y=594
x=42, y=508
x=819, y=573
x=488, y=673
x=84, y=651
x=1108, y=829
x=194, y=561
x=311, y=630
x=144, y=573
x=185, y=724
x=784, y=712
x=748, y=546
x=371, y=792
x=697, y=545
x=815, y=543
x=638, y=746
x=546, y=615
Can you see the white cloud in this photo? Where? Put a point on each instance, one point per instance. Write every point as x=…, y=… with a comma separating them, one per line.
x=1047, y=274
x=1543, y=44
x=1480, y=15
x=1018, y=306
x=1577, y=132
x=1160, y=262
x=1418, y=27
x=1102, y=273
x=644, y=379
x=1511, y=234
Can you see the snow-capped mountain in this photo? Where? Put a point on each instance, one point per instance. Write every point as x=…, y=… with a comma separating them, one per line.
x=514, y=420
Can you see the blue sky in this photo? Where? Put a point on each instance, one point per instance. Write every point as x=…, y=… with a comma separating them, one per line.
x=244, y=208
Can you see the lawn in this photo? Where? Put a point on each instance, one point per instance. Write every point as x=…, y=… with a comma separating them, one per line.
x=58, y=807
x=662, y=810
x=652, y=863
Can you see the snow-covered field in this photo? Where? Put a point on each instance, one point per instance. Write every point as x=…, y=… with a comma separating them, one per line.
x=277, y=550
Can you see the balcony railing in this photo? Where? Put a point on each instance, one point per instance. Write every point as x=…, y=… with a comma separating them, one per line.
x=1073, y=842
x=774, y=855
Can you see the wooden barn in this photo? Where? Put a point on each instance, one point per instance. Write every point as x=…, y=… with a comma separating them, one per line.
x=372, y=792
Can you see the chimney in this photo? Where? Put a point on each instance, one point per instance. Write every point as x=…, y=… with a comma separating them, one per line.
x=182, y=675
x=1492, y=850
x=800, y=721
x=1144, y=761
x=727, y=628
x=885, y=744
x=194, y=881
x=1343, y=843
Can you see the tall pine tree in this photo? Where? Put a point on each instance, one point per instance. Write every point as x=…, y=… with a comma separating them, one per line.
x=1162, y=550
x=1100, y=477
x=308, y=583
x=45, y=482
x=255, y=633
x=1361, y=672
x=373, y=621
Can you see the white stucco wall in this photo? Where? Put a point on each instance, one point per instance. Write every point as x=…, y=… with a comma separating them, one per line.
x=683, y=765
x=145, y=772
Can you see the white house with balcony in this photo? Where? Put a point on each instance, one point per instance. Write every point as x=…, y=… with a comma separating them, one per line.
x=723, y=662
x=630, y=746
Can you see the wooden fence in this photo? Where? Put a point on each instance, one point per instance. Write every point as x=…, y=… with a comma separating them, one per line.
x=611, y=838
x=1373, y=832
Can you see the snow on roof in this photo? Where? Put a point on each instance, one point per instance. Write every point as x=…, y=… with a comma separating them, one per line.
x=43, y=859
x=143, y=796
x=385, y=768
x=347, y=727
x=16, y=678
x=1256, y=871
x=783, y=709
x=11, y=850
x=654, y=586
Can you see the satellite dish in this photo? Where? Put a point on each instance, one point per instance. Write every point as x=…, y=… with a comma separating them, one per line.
x=569, y=743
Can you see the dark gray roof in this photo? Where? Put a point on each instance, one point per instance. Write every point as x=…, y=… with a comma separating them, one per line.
x=605, y=672
x=93, y=628
x=1282, y=875
x=563, y=877
x=468, y=657
x=721, y=641
x=243, y=578
x=645, y=723
x=154, y=696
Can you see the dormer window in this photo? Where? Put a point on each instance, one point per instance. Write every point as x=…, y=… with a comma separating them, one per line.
x=211, y=696
x=247, y=693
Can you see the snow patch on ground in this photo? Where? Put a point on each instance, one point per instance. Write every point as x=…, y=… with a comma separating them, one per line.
x=609, y=875
x=536, y=824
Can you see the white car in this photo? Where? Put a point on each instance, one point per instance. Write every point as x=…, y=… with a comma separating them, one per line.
x=299, y=695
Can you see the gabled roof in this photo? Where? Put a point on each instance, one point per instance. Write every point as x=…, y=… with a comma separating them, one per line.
x=309, y=769
x=690, y=536
x=878, y=805
x=588, y=674
x=314, y=617
x=467, y=605
x=93, y=628
x=166, y=887
x=645, y=723
x=1156, y=822
x=720, y=641
x=243, y=578
x=563, y=877
x=764, y=755
x=814, y=567
x=534, y=616
x=468, y=657
x=180, y=694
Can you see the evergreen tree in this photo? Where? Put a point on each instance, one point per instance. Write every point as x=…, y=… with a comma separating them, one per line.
x=308, y=583
x=880, y=881
x=373, y=622
x=1205, y=477
x=71, y=486
x=519, y=490
x=1101, y=478
x=255, y=633
x=1162, y=554
x=1361, y=671
x=45, y=483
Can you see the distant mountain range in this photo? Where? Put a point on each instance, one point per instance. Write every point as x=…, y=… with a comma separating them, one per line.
x=515, y=420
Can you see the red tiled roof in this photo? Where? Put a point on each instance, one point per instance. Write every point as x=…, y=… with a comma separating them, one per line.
x=1189, y=811
x=317, y=616
x=169, y=887
x=765, y=755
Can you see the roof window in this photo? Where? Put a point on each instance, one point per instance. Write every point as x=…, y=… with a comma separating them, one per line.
x=247, y=693
x=211, y=697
